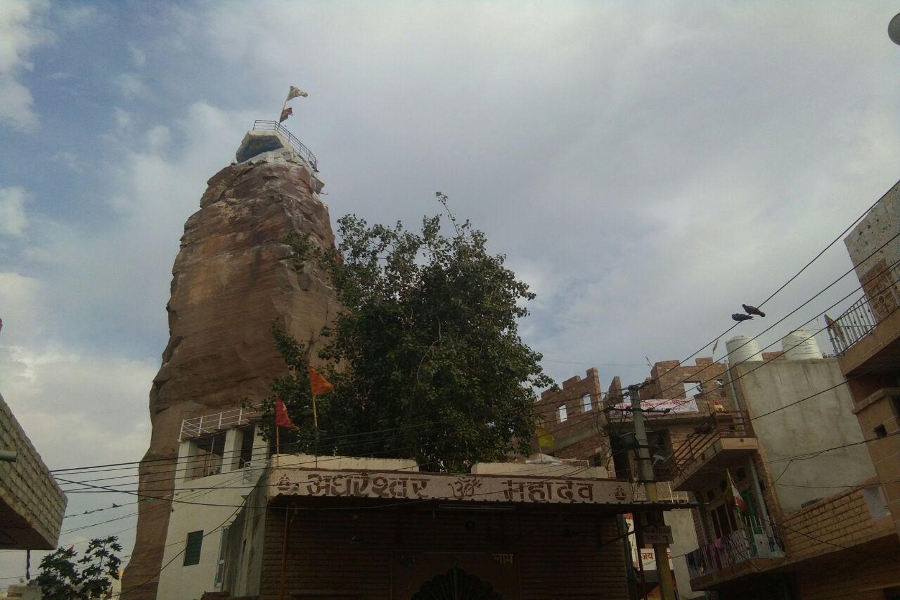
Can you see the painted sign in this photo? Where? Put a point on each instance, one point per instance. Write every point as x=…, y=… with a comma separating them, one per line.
x=393, y=485
x=658, y=406
x=658, y=534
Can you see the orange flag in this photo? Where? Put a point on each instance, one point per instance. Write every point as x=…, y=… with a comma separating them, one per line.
x=281, y=417
x=318, y=383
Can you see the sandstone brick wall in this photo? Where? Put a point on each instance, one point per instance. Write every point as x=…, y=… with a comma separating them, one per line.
x=840, y=520
x=878, y=412
x=584, y=433
x=28, y=488
x=670, y=379
x=571, y=395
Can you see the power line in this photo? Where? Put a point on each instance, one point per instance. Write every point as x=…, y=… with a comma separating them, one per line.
x=788, y=282
x=826, y=288
x=139, y=463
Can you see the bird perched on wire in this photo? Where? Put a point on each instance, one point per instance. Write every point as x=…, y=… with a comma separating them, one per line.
x=752, y=310
x=741, y=317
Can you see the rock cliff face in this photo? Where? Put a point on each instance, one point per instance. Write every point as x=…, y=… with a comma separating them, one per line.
x=233, y=276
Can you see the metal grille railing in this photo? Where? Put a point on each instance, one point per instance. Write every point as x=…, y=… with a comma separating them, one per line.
x=728, y=424
x=880, y=298
x=757, y=539
x=198, y=426
x=296, y=144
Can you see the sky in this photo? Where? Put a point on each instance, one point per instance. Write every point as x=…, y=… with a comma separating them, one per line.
x=645, y=167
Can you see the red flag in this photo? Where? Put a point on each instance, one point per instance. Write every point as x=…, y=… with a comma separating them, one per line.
x=285, y=114
x=319, y=384
x=281, y=417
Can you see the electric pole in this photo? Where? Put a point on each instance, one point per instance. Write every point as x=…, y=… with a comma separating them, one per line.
x=664, y=572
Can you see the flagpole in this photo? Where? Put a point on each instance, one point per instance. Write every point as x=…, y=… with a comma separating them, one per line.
x=277, y=439
x=316, y=425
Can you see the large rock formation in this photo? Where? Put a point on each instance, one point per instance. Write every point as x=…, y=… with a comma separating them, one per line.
x=233, y=276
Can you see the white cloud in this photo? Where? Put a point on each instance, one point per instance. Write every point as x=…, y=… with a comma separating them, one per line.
x=71, y=161
x=123, y=118
x=158, y=137
x=138, y=56
x=19, y=35
x=130, y=85
x=13, y=220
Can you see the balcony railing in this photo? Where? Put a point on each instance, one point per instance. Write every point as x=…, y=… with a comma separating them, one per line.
x=881, y=298
x=296, y=144
x=728, y=424
x=229, y=419
x=756, y=540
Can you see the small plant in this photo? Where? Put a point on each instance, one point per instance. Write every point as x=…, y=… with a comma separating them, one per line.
x=62, y=577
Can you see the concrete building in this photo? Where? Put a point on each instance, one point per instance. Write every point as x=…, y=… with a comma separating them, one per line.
x=866, y=338
x=220, y=459
x=380, y=528
x=32, y=505
x=816, y=525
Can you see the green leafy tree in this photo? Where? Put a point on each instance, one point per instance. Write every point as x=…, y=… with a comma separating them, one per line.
x=425, y=353
x=62, y=577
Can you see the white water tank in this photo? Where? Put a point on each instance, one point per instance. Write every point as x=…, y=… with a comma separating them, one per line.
x=800, y=345
x=742, y=348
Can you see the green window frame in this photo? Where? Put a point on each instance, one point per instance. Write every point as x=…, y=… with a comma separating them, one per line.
x=192, y=548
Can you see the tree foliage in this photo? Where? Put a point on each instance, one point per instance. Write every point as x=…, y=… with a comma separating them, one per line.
x=425, y=353
x=62, y=577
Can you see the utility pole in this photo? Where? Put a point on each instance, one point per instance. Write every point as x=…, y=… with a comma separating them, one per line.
x=666, y=584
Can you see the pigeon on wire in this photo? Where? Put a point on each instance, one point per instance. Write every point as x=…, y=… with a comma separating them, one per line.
x=752, y=310
x=741, y=317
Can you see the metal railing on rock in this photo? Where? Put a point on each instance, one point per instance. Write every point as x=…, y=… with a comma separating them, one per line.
x=204, y=424
x=297, y=145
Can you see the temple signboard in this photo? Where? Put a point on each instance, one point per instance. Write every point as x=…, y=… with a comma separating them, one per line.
x=396, y=485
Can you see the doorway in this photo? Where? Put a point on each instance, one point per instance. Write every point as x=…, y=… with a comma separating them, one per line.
x=456, y=584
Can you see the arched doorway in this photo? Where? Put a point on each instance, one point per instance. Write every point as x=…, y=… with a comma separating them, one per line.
x=456, y=584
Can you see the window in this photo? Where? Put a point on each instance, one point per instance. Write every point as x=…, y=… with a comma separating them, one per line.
x=586, y=404
x=192, y=548
x=246, y=447
x=220, y=566
x=620, y=459
x=561, y=414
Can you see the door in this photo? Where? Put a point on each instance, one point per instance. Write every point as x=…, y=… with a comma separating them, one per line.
x=455, y=576
x=456, y=584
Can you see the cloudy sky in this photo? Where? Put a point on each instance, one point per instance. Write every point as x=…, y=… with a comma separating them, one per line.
x=645, y=166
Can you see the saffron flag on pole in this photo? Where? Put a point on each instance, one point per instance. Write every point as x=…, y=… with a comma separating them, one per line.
x=319, y=384
x=281, y=417
x=285, y=114
x=296, y=92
